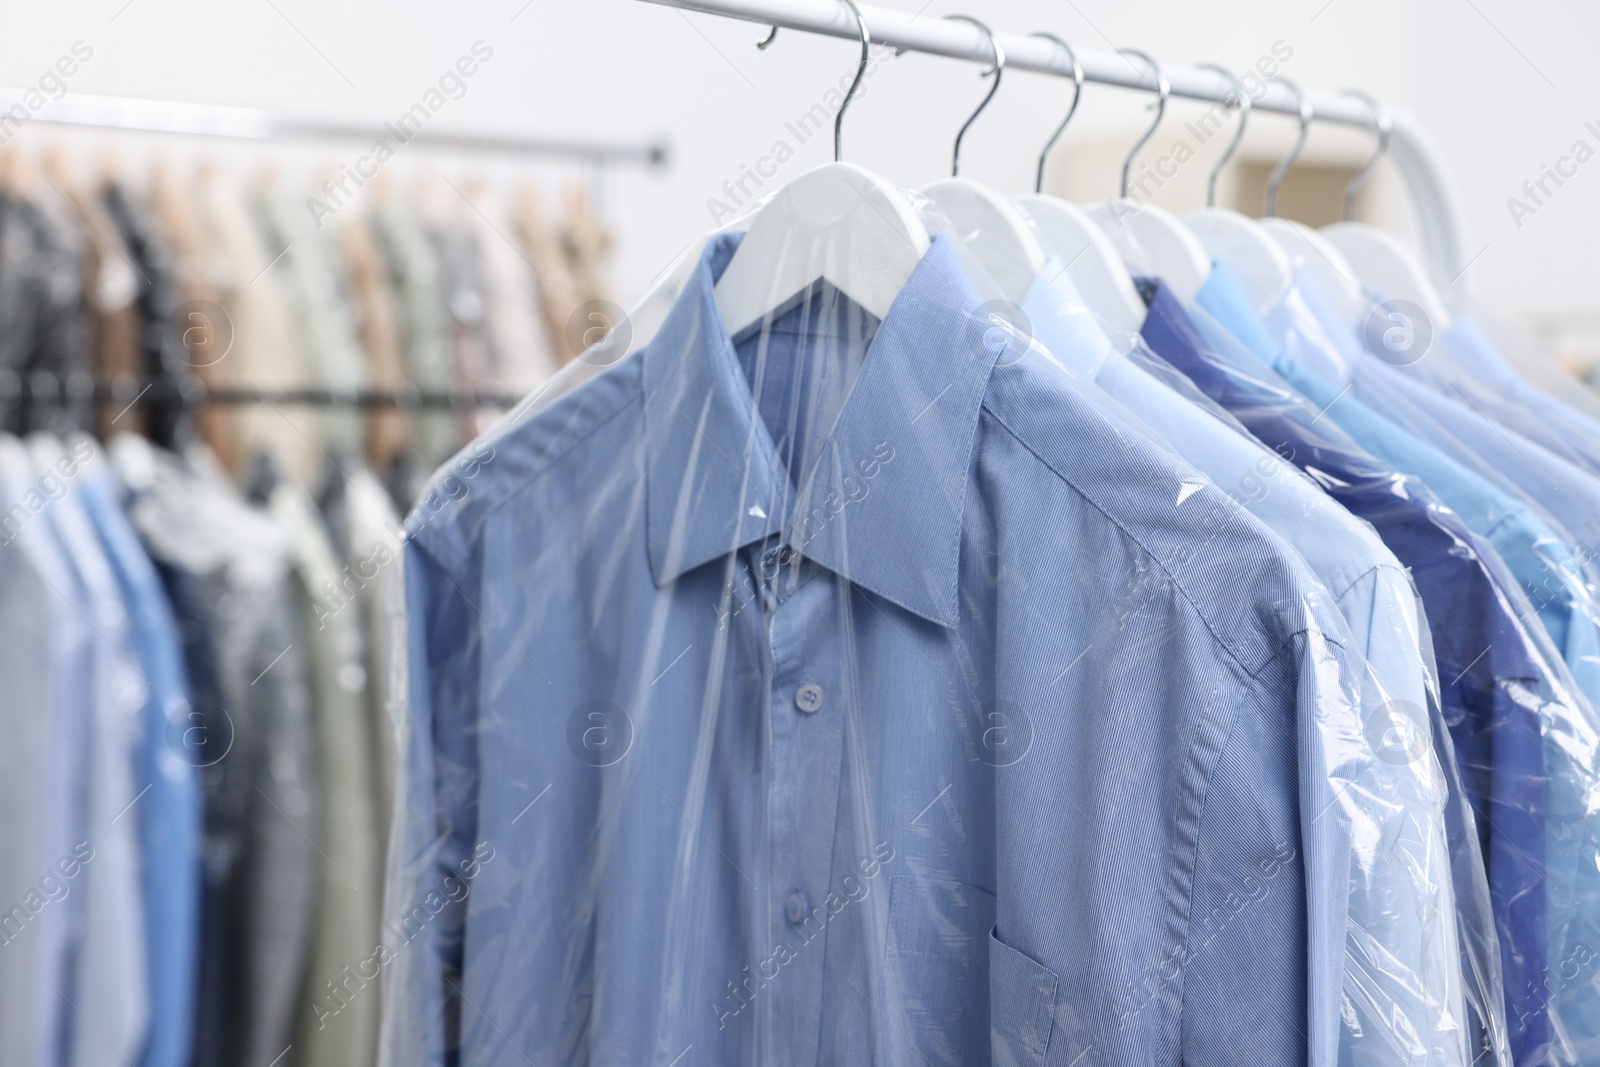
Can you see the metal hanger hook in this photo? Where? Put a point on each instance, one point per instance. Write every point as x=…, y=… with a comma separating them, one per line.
x=1077, y=94
x=1163, y=90
x=1282, y=169
x=1383, y=126
x=861, y=71
x=1245, y=104
x=997, y=70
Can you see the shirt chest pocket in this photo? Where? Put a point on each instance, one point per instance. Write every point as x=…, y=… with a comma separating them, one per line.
x=956, y=994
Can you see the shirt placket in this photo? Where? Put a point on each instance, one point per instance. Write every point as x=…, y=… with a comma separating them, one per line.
x=806, y=707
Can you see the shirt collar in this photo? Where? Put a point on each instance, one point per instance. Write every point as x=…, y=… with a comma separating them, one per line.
x=1222, y=297
x=1063, y=323
x=882, y=504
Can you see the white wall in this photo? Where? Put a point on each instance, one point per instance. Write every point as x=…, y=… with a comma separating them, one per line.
x=1504, y=86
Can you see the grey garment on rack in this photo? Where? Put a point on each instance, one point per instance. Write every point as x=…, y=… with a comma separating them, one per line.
x=465, y=285
x=523, y=356
x=314, y=281
x=44, y=650
x=263, y=811
x=414, y=274
x=374, y=546
x=337, y=1011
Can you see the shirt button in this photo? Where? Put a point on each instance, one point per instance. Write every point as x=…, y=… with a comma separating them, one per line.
x=797, y=907
x=808, y=698
x=787, y=555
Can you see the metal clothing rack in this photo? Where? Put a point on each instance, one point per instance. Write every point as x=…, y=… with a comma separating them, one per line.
x=251, y=124
x=1437, y=209
x=47, y=390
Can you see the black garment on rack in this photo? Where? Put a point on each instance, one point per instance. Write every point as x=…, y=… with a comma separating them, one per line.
x=158, y=317
x=45, y=381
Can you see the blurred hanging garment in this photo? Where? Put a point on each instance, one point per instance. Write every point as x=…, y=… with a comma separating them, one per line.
x=164, y=361
x=416, y=279
x=109, y=990
x=313, y=280
x=558, y=294
x=523, y=358
x=376, y=318
x=587, y=243
x=168, y=804
x=47, y=717
x=110, y=292
x=337, y=1006
x=201, y=335
x=465, y=288
x=266, y=351
x=226, y=569
x=44, y=343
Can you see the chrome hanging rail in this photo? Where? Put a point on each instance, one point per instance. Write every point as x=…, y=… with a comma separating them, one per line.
x=1426, y=178
x=958, y=40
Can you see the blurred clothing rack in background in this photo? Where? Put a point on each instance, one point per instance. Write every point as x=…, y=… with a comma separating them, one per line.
x=251, y=124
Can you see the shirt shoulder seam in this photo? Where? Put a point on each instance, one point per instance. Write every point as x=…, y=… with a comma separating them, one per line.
x=1233, y=653
x=532, y=477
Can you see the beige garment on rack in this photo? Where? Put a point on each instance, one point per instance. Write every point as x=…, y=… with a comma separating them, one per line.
x=588, y=245
x=266, y=351
x=558, y=295
x=200, y=273
x=388, y=429
x=337, y=1020
x=522, y=356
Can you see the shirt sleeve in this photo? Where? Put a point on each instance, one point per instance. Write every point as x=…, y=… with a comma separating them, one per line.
x=432, y=858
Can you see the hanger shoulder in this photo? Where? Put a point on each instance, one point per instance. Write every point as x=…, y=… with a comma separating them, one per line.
x=1310, y=251
x=1262, y=266
x=840, y=223
x=1154, y=244
x=1387, y=267
x=993, y=230
x=1067, y=231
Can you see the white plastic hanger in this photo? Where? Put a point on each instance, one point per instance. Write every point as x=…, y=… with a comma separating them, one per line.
x=1067, y=231
x=1383, y=263
x=1334, y=275
x=996, y=233
x=1148, y=238
x=1264, y=270
x=838, y=222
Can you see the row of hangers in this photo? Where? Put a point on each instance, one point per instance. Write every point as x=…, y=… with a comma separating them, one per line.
x=868, y=237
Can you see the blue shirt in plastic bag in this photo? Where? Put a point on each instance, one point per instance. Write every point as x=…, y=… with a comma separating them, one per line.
x=856, y=691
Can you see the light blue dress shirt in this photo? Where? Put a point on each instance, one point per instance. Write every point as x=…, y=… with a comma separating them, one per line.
x=1467, y=363
x=169, y=811
x=989, y=734
x=1403, y=969
x=1551, y=573
x=109, y=991
x=45, y=817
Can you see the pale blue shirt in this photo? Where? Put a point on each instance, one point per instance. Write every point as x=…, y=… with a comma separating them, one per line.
x=1544, y=562
x=1399, y=812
